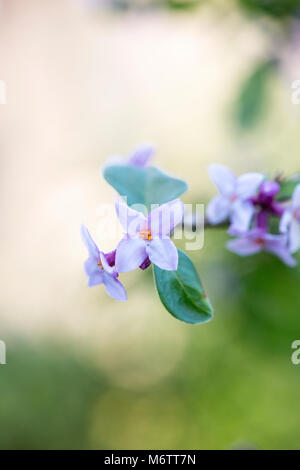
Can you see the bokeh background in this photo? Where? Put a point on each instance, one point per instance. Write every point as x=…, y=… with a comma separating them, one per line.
x=205, y=81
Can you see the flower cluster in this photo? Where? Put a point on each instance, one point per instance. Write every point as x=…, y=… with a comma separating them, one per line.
x=146, y=240
x=249, y=203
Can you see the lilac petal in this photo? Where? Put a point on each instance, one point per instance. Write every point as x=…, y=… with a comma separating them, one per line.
x=241, y=216
x=296, y=197
x=244, y=246
x=91, y=266
x=131, y=253
x=218, y=209
x=223, y=178
x=95, y=279
x=163, y=253
x=285, y=221
x=131, y=220
x=280, y=250
x=268, y=190
x=261, y=220
x=145, y=264
x=271, y=238
x=276, y=208
x=248, y=184
x=258, y=232
x=114, y=288
x=294, y=237
x=162, y=220
x=89, y=242
x=111, y=257
x=252, y=234
x=141, y=156
x=105, y=264
x=234, y=232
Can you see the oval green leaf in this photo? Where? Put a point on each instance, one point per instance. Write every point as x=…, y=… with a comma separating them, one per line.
x=252, y=99
x=181, y=292
x=144, y=185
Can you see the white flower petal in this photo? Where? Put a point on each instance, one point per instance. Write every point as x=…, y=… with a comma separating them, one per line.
x=296, y=197
x=114, y=288
x=283, y=253
x=91, y=266
x=163, y=253
x=95, y=279
x=223, y=178
x=218, y=209
x=107, y=268
x=241, y=215
x=248, y=184
x=89, y=242
x=130, y=219
x=163, y=219
x=244, y=246
x=130, y=254
x=294, y=237
x=285, y=220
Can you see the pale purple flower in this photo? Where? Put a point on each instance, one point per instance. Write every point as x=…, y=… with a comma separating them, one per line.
x=140, y=157
x=99, y=268
x=257, y=240
x=290, y=221
x=265, y=199
x=233, y=202
x=147, y=236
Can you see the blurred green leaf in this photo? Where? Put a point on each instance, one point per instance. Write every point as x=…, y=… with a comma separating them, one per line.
x=182, y=4
x=253, y=94
x=287, y=188
x=47, y=394
x=268, y=293
x=275, y=8
x=181, y=292
x=144, y=185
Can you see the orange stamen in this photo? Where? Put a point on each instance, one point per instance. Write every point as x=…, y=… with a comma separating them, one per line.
x=100, y=264
x=296, y=214
x=146, y=234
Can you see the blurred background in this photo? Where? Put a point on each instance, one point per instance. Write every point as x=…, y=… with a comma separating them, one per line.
x=205, y=81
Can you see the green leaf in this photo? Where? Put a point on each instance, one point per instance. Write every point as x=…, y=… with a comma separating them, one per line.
x=253, y=95
x=275, y=8
x=181, y=292
x=287, y=188
x=144, y=185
